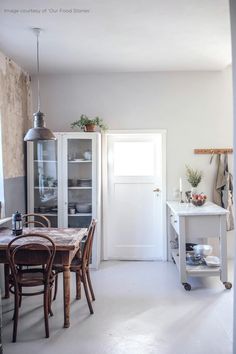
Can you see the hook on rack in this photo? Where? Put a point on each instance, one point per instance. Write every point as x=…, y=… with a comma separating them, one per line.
x=212, y=155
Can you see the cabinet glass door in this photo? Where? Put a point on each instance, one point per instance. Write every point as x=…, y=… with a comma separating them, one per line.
x=79, y=182
x=46, y=180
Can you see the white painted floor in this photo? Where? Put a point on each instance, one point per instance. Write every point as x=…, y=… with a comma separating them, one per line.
x=140, y=308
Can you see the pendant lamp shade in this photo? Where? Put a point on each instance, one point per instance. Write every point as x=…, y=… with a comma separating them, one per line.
x=39, y=130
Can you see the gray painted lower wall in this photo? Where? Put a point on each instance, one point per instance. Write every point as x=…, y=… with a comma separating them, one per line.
x=15, y=199
x=15, y=195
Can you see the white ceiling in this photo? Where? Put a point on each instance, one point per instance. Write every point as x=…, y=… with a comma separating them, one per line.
x=118, y=35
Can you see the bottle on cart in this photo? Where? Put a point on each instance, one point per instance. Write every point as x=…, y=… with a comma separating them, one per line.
x=17, y=227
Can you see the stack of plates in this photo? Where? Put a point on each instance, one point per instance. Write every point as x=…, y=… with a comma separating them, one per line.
x=84, y=182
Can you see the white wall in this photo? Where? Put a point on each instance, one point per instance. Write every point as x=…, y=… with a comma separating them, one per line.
x=194, y=107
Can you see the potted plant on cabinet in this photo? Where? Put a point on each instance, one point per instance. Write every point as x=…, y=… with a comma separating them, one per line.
x=89, y=124
x=194, y=177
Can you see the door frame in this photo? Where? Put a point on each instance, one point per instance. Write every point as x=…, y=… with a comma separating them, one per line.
x=105, y=136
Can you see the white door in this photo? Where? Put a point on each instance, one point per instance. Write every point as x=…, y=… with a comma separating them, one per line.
x=133, y=209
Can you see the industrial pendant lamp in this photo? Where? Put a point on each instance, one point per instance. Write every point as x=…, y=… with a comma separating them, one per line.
x=39, y=131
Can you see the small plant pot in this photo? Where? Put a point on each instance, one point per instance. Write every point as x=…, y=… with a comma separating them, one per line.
x=90, y=128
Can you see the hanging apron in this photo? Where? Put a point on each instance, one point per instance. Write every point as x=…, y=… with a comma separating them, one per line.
x=223, y=191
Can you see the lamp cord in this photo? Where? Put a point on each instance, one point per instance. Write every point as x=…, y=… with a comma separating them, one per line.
x=38, y=71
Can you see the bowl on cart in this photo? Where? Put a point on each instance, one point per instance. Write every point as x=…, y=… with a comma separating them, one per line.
x=202, y=250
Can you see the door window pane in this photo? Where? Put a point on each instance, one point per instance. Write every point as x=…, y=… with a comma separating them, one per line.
x=134, y=158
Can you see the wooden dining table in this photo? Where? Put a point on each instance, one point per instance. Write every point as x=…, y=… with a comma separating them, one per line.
x=67, y=241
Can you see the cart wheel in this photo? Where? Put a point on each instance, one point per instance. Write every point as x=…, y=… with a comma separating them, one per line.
x=173, y=260
x=187, y=286
x=227, y=285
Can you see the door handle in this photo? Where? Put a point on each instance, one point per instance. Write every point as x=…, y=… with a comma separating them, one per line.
x=156, y=190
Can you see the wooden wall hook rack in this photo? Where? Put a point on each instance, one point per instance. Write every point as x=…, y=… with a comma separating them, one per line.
x=213, y=151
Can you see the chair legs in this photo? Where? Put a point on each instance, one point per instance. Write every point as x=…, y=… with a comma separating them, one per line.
x=20, y=296
x=16, y=314
x=46, y=308
x=78, y=286
x=50, y=303
x=55, y=287
x=90, y=284
x=87, y=284
x=84, y=277
x=6, y=280
x=84, y=280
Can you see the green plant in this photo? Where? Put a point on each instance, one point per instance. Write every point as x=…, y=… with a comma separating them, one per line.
x=85, y=120
x=194, y=177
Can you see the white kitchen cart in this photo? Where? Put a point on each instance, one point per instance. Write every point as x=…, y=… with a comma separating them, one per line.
x=189, y=223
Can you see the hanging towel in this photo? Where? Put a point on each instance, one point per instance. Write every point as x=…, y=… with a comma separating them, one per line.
x=223, y=192
x=220, y=182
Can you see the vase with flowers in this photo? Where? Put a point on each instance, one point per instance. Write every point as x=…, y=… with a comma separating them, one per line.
x=194, y=177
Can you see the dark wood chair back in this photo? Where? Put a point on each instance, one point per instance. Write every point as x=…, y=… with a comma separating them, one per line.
x=23, y=247
x=38, y=220
x=28, y=219
x=87, y=251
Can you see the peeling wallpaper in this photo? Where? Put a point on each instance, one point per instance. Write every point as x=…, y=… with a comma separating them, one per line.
x=15, y=111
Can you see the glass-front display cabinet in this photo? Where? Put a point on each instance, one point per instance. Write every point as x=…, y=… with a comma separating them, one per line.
x=64, y=178
x=45, y=180
x=79, y=182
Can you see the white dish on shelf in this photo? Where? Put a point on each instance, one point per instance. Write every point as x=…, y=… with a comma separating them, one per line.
x=83, y=207
x=212, y=261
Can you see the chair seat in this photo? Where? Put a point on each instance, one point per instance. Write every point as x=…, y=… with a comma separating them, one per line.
x=75, y=265
x=30, y=277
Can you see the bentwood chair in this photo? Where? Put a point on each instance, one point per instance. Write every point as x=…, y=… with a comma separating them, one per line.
x=80, y=266
x=31, y=219
x=38, y=220
x=28, y=247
